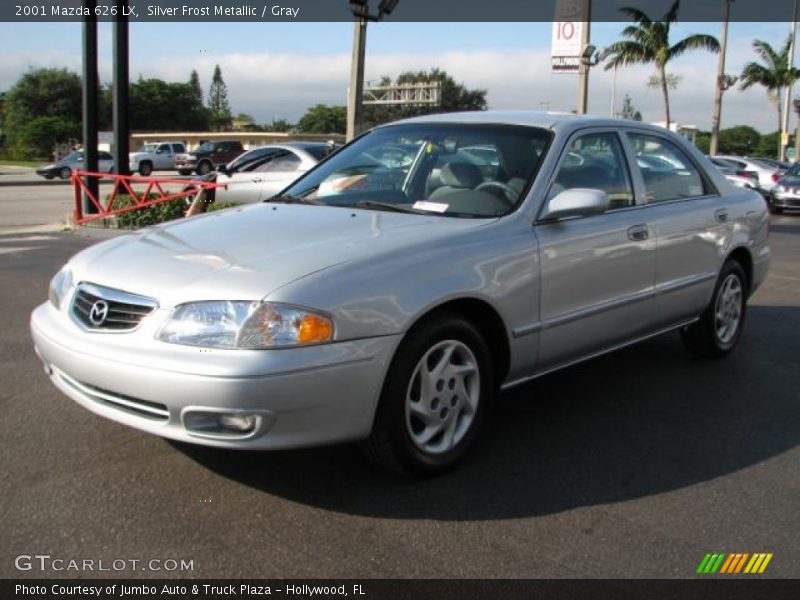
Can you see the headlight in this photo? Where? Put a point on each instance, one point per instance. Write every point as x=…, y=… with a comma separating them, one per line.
x=245, y=326
x=60, y=286
x=781, y=189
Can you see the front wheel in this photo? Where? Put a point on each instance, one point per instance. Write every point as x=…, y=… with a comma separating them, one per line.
x=720, y=326
x=434, y=398
x=204, y=168
x=65, y=173
x=145, y=168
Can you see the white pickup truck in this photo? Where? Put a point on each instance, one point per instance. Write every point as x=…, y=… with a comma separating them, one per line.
x=159, y=156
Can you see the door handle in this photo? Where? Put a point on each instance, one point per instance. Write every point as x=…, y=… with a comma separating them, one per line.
x=721, y=215
x=638, y=233
x=257, y=180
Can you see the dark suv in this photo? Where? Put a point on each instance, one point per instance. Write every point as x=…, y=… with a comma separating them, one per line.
x=207, y=157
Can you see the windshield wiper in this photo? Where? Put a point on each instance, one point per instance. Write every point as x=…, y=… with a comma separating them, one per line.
x=289, y=199
x=387, y=206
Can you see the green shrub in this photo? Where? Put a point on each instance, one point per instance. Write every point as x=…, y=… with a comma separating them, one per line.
x=150, y=215
x=222, y=205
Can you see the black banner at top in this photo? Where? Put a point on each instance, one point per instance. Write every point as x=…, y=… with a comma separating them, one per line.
x=280, y=11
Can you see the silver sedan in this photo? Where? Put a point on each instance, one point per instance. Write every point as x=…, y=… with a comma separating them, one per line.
x=392, y=291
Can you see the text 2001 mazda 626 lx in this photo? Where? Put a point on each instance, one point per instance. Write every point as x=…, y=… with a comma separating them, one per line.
x=388, y=294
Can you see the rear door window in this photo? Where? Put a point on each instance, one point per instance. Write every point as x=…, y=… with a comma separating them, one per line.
x=667, y=172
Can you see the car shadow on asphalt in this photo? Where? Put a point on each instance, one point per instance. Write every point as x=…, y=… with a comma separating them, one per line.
x=646, y=420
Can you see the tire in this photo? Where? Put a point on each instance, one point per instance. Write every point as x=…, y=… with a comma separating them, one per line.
x=184, y=172
x=204, y=168
x=717, y=332
x=453, y=410
x=775, y=210
x=145, y=168
x=65, y=172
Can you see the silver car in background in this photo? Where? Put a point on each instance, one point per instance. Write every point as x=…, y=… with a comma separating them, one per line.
x=768, y=171
x=261, y=173
x=392, y=291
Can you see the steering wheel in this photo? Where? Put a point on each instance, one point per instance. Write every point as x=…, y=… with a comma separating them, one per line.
x=509, y=195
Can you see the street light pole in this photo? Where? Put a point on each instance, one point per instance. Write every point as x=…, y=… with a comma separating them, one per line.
x=721, y=82
x=89, y=102
x=788, y=100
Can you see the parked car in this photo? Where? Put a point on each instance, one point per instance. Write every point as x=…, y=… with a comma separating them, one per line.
x=207, y=157
x=768, y=174
x=158, y=156
x=742, y=179
x=365, y=303
x=778, y=164
x=786, y=194
x=261, y=173
x=74, y=161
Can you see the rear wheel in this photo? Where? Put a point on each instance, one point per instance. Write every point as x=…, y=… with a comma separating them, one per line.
x=434, y=398
x=719, y=328
x=204, y=168
x=184, y=172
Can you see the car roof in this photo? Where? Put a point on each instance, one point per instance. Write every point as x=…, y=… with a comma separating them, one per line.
x=547, y=120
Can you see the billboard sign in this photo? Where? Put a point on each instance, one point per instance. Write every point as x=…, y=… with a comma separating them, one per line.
x=567, y=42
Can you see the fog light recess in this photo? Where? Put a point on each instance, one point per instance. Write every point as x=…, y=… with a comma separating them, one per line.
x=221, y=423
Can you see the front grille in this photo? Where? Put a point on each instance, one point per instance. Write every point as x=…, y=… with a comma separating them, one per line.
x=106, y=309
x=136, y=406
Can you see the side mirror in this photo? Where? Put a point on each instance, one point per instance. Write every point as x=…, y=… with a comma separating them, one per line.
x=577, y=202
x=223, y=169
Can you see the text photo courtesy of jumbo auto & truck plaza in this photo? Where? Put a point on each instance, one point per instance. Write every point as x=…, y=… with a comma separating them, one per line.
x=399, y=299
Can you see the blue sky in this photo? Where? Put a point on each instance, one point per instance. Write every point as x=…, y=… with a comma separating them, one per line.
x=278, y=70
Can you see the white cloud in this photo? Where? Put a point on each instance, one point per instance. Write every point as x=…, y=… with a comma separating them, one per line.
x=267, y=85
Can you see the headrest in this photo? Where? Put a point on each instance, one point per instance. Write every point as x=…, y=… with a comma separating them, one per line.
x=460, y=174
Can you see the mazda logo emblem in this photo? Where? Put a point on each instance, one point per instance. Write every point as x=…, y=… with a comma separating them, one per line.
x=98, y=313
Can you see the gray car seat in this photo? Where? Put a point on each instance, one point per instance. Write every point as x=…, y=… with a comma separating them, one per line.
x=457, y=177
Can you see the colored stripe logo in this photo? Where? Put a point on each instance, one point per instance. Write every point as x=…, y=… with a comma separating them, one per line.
x=734, y=563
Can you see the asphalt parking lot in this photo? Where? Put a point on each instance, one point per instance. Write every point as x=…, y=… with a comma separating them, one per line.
x=632, y=465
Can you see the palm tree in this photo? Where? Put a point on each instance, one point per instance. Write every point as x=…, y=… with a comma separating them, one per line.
x=774, y=75
x=648, y=43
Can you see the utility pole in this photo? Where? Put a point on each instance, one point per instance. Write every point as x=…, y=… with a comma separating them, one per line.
x=721, y=83
x=355, y=95
x=788, y=100
x=583, y=71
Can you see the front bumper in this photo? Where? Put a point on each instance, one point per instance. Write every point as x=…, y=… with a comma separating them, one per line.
x=186, y=164
x=303, y=396
x=785, y=199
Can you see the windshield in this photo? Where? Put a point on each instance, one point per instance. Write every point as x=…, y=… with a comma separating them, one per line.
x=456, y=170
x=148, y=148
x=205, y=147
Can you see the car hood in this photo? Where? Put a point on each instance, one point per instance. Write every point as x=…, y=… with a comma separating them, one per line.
x=137, y=155
x=246, y=253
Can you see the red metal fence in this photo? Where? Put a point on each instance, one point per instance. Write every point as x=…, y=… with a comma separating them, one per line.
x=123, y=186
